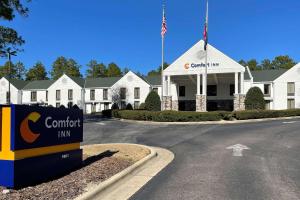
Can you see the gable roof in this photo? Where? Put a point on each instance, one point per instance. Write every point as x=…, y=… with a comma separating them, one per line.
x=193, y=61
x=101, y=82
x=267, y=75
x=78, y=80
x=19, y=84
x=153, y=80
x=38, y=85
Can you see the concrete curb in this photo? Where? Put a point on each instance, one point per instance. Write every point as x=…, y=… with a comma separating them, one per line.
x=222, y=122
x=114, y=179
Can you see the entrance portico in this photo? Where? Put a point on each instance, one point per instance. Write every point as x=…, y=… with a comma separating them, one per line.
x=187, y=87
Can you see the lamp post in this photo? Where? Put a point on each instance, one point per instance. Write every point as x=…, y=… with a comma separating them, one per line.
x=9, y=52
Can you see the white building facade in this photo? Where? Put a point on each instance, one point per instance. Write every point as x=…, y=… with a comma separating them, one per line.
x=185, y=86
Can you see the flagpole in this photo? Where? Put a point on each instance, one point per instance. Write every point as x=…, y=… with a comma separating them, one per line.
x=162, y=61
x=206, y=48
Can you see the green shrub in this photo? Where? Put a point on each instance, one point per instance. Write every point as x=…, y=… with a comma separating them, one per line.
x=255, y=99
x=152, y=102
x=107, y=113
x=129, y=107
x=170, y=116
x=115, y=106
x=259, y=114
x=142, y=106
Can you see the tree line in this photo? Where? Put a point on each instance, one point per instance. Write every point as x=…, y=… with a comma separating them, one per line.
x=60, y=66
x=279, y=62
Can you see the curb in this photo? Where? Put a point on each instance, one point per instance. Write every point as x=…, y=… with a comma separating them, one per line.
x=117, y=177
x=222, y=122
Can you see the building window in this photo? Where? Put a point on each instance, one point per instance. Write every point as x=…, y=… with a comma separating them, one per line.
x=58, y=95
x=123, y=93
x=7, y=97
x=106, y=106
x=46, y=95
x=33, y=96
x=105, y=94
x=231, y=89
x=57, y=105
x=70, y=94
x=155, y=90
x=267, y=89
x=182, y=91
x=70, y=104
x=212, y=90
x=123, y=104
x=137, y=93
x=291, y=103
x=92, y=95
x=136, y=105
x=291, y=89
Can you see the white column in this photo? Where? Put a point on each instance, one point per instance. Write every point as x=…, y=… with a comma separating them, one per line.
x=169, y=85
x=236, y=83
x=204, y=84
x=242, y=83
x=198, y=83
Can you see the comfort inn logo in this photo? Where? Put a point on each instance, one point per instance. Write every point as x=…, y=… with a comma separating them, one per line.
x=187, y=66
x=27, y=135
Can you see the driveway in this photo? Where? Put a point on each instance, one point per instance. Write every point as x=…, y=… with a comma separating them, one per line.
x=204, y=168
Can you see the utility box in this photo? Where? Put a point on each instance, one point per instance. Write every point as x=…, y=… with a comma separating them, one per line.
x=38, y=143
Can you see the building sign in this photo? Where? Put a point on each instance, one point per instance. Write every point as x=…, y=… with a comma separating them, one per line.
x=38, y=143
x=200, y=65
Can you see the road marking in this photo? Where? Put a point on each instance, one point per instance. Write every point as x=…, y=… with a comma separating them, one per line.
x=101, y=123
x=290, y=122
x=237, y=149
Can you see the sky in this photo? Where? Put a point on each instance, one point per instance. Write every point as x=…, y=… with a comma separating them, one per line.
x=127, y=32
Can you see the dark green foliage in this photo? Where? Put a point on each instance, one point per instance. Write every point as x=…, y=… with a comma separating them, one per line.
x=63, y=65
x=37, y=72
x=255, y=99
x=152, y=102
x=142, y=106
x=129, y=107
x=259, y=114
x=168, y=116
x=115, y=107
x=107, y=113
x=182, y=116
x=158, y=70
x=113, y=70
x=95, y=69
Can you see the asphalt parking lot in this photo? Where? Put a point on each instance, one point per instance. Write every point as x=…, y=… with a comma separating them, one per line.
x=206, y=168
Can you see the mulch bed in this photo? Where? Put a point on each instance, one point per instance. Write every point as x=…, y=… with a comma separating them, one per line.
x=73, y=184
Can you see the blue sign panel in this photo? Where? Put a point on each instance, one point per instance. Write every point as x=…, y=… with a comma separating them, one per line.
x=35, y=126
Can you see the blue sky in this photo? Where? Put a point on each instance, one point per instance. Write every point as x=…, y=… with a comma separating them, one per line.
x=128, y=31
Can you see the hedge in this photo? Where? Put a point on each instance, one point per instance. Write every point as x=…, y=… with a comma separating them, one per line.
x=169, y=116
x=186, y=116
x=259, y=114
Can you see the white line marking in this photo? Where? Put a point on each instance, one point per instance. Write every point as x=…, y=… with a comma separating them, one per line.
x=290, y=122
x=237, y=149
x=101, y=123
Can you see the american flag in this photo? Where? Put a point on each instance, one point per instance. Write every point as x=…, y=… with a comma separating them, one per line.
x=205, y=32
x=164, y=25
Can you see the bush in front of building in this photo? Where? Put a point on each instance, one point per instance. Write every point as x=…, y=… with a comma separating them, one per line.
x=255, y=99
x=142, y=106
x=129, y=107
x=107, y=113
x=260, y=114
x=115, y=106
x=170, y=116
x=152, y=102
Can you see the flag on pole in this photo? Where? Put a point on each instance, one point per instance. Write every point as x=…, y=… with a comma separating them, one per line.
x=205, y=33
x=164, y=24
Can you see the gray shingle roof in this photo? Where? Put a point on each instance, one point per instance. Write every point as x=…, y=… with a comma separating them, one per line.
x=267, y=75
x=153, y=80
x=101, y=82
x=78, y=80
x=38, y=85
x=19, y=84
